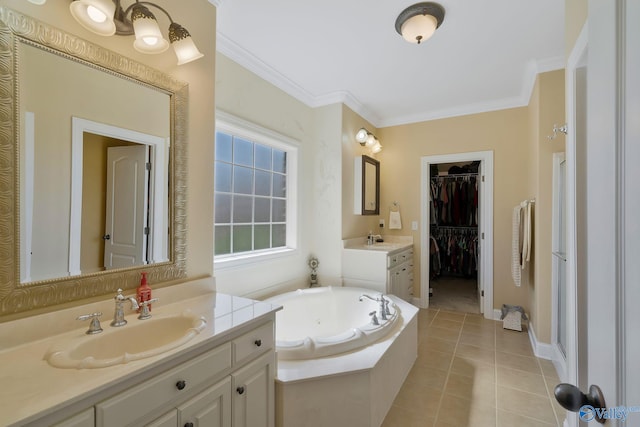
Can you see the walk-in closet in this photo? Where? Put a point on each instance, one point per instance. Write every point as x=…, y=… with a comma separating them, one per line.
x=453, y=237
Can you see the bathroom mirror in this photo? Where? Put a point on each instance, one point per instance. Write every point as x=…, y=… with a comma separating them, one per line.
x=367, y=186
x=67, y=103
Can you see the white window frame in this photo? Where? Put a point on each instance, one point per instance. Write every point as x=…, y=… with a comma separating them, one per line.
x=236, y=126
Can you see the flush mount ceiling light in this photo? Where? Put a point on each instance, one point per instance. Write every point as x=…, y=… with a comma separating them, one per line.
x=108, y=17
x=418, y=22
x=366, y=138
x=38, y=1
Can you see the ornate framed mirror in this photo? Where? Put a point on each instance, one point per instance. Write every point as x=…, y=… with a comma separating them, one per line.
x=58, y=93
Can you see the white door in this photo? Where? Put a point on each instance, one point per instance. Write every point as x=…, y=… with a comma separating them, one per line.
x=607, y=320
x=126, y=216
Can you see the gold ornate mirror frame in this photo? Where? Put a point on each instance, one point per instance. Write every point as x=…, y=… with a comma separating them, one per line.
x=15, y=297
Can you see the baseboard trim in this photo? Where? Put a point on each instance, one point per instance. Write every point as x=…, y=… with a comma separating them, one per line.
x=540, y=349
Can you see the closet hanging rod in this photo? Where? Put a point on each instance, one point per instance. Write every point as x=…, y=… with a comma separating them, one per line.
x=457, y=175
x=455, y=227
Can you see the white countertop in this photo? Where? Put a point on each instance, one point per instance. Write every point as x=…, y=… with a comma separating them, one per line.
x=31, y=388
x=390, y=244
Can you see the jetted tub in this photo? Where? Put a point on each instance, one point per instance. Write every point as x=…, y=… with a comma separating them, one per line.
x=326, y=321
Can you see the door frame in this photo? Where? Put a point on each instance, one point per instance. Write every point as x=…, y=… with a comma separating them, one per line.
x=485, y=223
x=159, y=219
x=568, y=368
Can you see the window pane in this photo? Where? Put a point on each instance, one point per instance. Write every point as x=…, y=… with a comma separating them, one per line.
x=279, y=185
x=222, y=208
x=279, y=161
x=261, y=237
x=242, y=152
x=223, y=147
x=279, y=236
x=263, y=183
x=222, y=239
x=241, y=238
x=242, y=209
x=279, y=210
x=263, y=157
x=242, y=180
x=262, y=210
x=223, y=177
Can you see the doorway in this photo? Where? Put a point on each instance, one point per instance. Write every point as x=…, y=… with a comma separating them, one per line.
x=157, y=203
x=457, y=259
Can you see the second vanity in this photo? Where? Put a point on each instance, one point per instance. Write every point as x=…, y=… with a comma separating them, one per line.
x=223, y=376
x=385, y=267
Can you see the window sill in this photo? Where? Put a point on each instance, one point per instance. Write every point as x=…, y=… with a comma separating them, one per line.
x=241, y=260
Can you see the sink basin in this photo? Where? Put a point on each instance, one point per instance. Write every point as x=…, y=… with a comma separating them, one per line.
x=136, y=340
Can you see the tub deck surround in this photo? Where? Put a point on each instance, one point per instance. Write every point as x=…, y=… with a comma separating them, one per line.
x=325, y=321
x=32, y=389
x=368, y=380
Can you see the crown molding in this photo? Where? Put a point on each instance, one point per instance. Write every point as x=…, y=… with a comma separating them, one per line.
x=238, y=54
x=216, y=3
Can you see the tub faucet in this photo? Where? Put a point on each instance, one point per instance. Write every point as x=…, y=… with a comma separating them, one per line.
x=118, y=316
x=384, y=310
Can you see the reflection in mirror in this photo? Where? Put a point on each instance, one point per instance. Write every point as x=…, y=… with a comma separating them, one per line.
x=64, y=98
x=103, y=208
x=367, y=186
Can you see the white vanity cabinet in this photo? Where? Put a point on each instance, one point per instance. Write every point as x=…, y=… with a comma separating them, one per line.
x=231, y=385
x=400, y=274
x=385, y=271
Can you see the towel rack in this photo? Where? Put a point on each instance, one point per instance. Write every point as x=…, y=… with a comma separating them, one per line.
x=395, y=207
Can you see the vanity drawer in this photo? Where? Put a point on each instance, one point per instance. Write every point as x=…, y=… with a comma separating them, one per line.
x=253, y=343
x=153, y=395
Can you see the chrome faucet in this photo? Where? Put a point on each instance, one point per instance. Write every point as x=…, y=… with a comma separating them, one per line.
x=384, y=309
x=118, y=316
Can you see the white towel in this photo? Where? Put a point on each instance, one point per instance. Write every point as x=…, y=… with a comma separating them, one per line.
x=516, y=264
x=395, y=223
x=526, y=234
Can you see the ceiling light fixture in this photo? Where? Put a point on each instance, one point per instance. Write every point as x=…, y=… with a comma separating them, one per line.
x=418, y=22
x=108, y=17
x=38, y=1
x=366, y=138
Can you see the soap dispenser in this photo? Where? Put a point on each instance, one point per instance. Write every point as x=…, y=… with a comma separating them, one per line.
x=144, y=291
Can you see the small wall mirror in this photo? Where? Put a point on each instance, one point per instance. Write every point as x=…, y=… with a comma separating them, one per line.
x=367, y=186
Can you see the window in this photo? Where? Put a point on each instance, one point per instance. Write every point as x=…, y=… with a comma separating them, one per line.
x=254, y=195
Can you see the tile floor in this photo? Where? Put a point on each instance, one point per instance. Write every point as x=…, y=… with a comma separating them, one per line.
x=471, y=372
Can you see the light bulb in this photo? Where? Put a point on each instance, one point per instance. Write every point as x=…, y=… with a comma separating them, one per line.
x=96, y=15
x=361, y=136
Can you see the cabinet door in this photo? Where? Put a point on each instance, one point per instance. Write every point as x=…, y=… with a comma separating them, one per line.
x=170, y=419
x=253, y=393
x=83, y=419
x=211, y=408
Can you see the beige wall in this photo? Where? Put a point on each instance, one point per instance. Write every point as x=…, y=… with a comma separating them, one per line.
x=503, y=132
x=199, y=16
x=354, y=225
x=575, y=15
x=243, y=94
x=549, y=91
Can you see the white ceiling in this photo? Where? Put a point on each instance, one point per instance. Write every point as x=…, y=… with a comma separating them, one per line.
x=484, y=56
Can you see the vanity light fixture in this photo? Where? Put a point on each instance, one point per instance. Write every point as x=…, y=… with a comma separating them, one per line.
x=38, y=1
x=366, y=138
x=108, y=17
x=418, y=22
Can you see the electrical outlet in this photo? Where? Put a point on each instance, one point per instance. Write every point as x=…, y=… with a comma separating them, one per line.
x=414, y=225
x=381, y=222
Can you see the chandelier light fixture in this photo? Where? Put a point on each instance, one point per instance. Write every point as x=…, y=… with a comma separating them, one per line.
x=418, y=22
x=367, y=139
x=109, y=17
